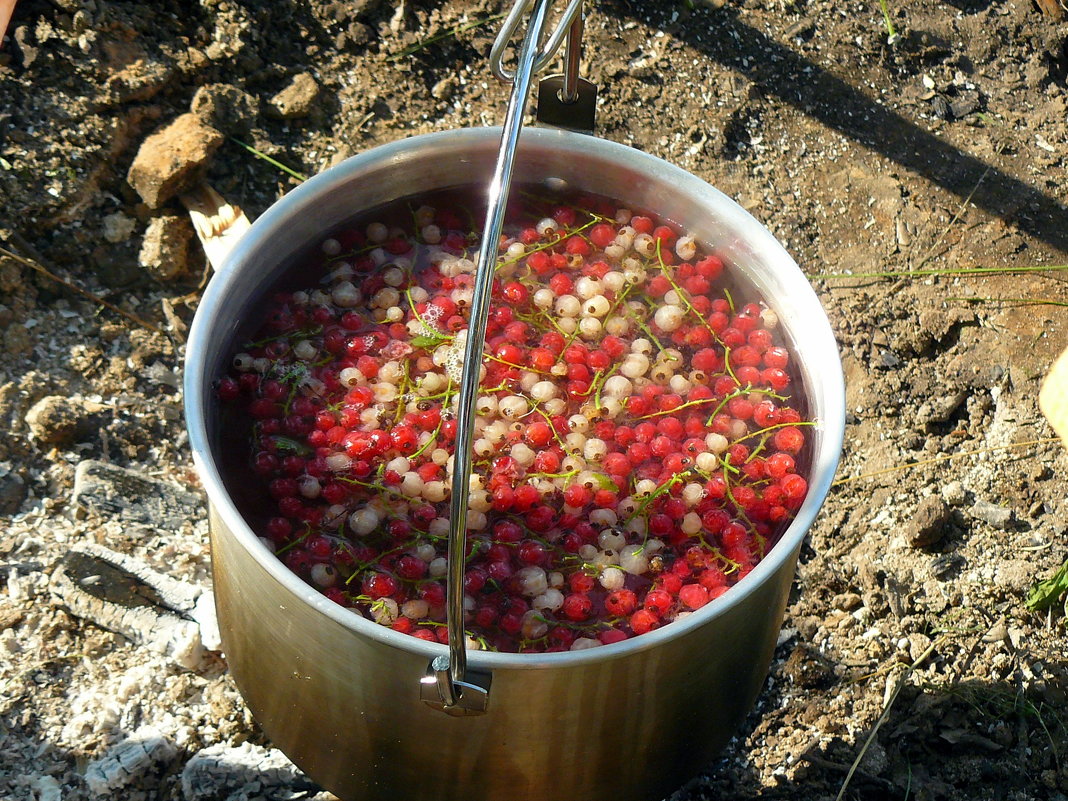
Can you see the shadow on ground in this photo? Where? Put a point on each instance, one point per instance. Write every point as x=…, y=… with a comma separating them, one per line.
x=784, y=74
x=970, y=739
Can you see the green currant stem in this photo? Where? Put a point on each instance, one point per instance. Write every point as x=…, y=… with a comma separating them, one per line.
x=547, y=245
x=371, y=562
x=656, y=493
x=686, y=405
x=429, y=442
x=683, y=296
x=375, y=487
x=294, y=543
x=600, y=385
x=767, y=430
x=491, y=357
x=405, y=386
x=646, y=331
x=303, y=333
x=552, y=428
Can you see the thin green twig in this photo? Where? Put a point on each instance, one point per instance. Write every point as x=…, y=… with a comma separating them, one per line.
x=891, y=34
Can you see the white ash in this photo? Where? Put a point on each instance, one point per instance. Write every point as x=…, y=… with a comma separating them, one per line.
x=163, y=627
x=146, y=750
x=244, y=773
x=47, y=788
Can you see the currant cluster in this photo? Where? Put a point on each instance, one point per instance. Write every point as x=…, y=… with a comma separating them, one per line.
x=635, y=453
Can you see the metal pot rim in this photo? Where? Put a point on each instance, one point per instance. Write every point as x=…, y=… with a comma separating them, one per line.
x=831, y=389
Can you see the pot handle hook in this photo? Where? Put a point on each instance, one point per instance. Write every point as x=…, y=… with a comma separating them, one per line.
x=564, y=100
x=544, y=53
x=447, y=685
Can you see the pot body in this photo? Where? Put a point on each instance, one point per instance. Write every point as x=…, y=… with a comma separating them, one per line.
x=341, y=695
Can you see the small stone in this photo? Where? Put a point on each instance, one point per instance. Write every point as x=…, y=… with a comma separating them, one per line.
x=1016, y=637
x=999, y=632
x=341, y=11
x=997, y=516
x=16, y=342
x=928, y=523
x=159, y=373
x=443, y=88
x=55, y=420
x=165, y=248
x=918, y=645
x=808, y=668
x=133, y=497
x=139, y=81
x=297, y=99
x=964, y=105
x=1015, y=575
x=118, y=227
x=115, y=263
x=225, y=107
x=887, y=359
x=23, y=41
x=12, y=491
x=941, y=409
x=954, y=494
x=357, y=34
x=875, y=760
x=173, y=159
x=945, y=565
x=847, y=601
x=940, y=107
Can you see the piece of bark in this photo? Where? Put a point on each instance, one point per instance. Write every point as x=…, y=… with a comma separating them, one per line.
x=219, y=225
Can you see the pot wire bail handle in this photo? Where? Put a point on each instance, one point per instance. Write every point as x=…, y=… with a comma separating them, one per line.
x=444, y=686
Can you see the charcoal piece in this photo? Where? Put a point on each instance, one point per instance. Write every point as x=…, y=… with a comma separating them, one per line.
x=133, y=497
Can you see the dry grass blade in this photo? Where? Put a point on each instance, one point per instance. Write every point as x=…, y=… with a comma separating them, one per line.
x=454, y=31
x=33, y=265
x=886, y=713
x=1034, y=268
x=960, y=212
x=1010, y=301
x=945, y=458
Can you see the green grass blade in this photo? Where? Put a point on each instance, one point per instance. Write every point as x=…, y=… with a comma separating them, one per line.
x=273, y=162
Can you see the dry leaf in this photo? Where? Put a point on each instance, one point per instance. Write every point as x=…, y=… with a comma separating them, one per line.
x=1053, y=399
x=1051, y=8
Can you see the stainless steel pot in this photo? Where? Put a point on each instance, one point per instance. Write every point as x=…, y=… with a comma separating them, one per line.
x=341, y=695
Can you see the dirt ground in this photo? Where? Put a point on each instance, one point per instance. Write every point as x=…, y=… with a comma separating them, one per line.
x=936, y=150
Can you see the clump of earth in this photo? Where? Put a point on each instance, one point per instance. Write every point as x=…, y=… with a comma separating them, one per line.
x=908, y=650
